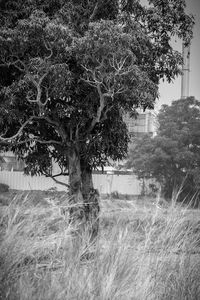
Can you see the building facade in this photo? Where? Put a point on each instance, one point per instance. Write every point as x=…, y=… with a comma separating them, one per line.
x=8, y=162
x=145, y=123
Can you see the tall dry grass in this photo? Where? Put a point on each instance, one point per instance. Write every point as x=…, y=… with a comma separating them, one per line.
x=141, y=253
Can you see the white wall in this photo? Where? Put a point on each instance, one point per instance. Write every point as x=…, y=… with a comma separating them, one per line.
x=123, y=184
x=19, y=181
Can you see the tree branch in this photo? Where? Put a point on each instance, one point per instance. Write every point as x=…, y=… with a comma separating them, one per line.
x=48, y=142
x=39, y=90
x=56, y=180
x=49, y=120
x=99, y=110
x=49, y=49
x=15, y=62
x=4, y=139
x=29, y=121
x=105, y=113
x=94, y=12
x=60, y=174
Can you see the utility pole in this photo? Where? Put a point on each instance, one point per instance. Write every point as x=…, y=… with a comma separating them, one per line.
x=186, y=72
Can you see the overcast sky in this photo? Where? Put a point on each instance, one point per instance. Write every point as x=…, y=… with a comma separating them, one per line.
x=170, y=92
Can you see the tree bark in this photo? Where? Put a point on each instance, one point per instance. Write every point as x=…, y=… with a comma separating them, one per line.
x=91, y=200
x=76, y=211
x=86, y=177
x=84, y=199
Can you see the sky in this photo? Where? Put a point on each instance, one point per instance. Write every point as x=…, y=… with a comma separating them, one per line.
x=172, y=91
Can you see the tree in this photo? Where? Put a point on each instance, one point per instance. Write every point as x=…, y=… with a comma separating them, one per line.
x=70, y=71
x=173, y=156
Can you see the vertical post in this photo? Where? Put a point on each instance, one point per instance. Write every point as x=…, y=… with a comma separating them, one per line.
x=110, y=181
x=186, y=72
x=147, y=129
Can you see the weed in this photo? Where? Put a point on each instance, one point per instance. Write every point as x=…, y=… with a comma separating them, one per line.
x=141, y=253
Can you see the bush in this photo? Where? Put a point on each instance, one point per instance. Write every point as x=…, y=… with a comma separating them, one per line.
x=3, y=188
x=115, y=195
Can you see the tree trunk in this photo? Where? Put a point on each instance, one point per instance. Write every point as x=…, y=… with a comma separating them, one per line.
x=91, y=200
x=84, y=199
x=76, y=212
x=86, y=177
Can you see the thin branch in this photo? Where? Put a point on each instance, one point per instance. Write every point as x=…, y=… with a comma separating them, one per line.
x=94, y=12
x=117, y=65
x=49, y=120
x=101, y=64
x=4, y=139
x=56, y=180
x=15, y=63
x=60, y=174
x=130, y=69
x=58, y=126
x=48, y=142
x=121, y=90
x=84, y=67
x=39, y=90
x=94, y=82
x=104, y=117
x=49, y=49
x=90, y=82
x=29, y=121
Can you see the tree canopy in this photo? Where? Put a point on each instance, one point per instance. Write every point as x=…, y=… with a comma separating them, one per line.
x=173, y=156
x=70, y=69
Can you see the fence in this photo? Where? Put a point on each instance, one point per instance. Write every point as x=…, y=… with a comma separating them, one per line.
x=123, y=184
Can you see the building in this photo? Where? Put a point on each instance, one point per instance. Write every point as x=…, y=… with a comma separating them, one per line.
x=185, y=78
x=145, y=122
x=8, y=162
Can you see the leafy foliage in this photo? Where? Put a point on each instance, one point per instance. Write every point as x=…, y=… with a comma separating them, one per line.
x=3, y=188
x=173, y=156
x=72, y=68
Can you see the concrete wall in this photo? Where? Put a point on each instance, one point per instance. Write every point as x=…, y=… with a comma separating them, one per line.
x=123, y=184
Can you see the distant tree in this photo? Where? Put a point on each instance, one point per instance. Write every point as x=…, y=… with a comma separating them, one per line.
x=72, y=69
x=173, y=156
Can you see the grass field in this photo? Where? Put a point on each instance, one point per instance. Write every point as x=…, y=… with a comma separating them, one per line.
x=142, y=252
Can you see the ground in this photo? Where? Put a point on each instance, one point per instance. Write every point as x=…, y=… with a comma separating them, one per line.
x=142, y=252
